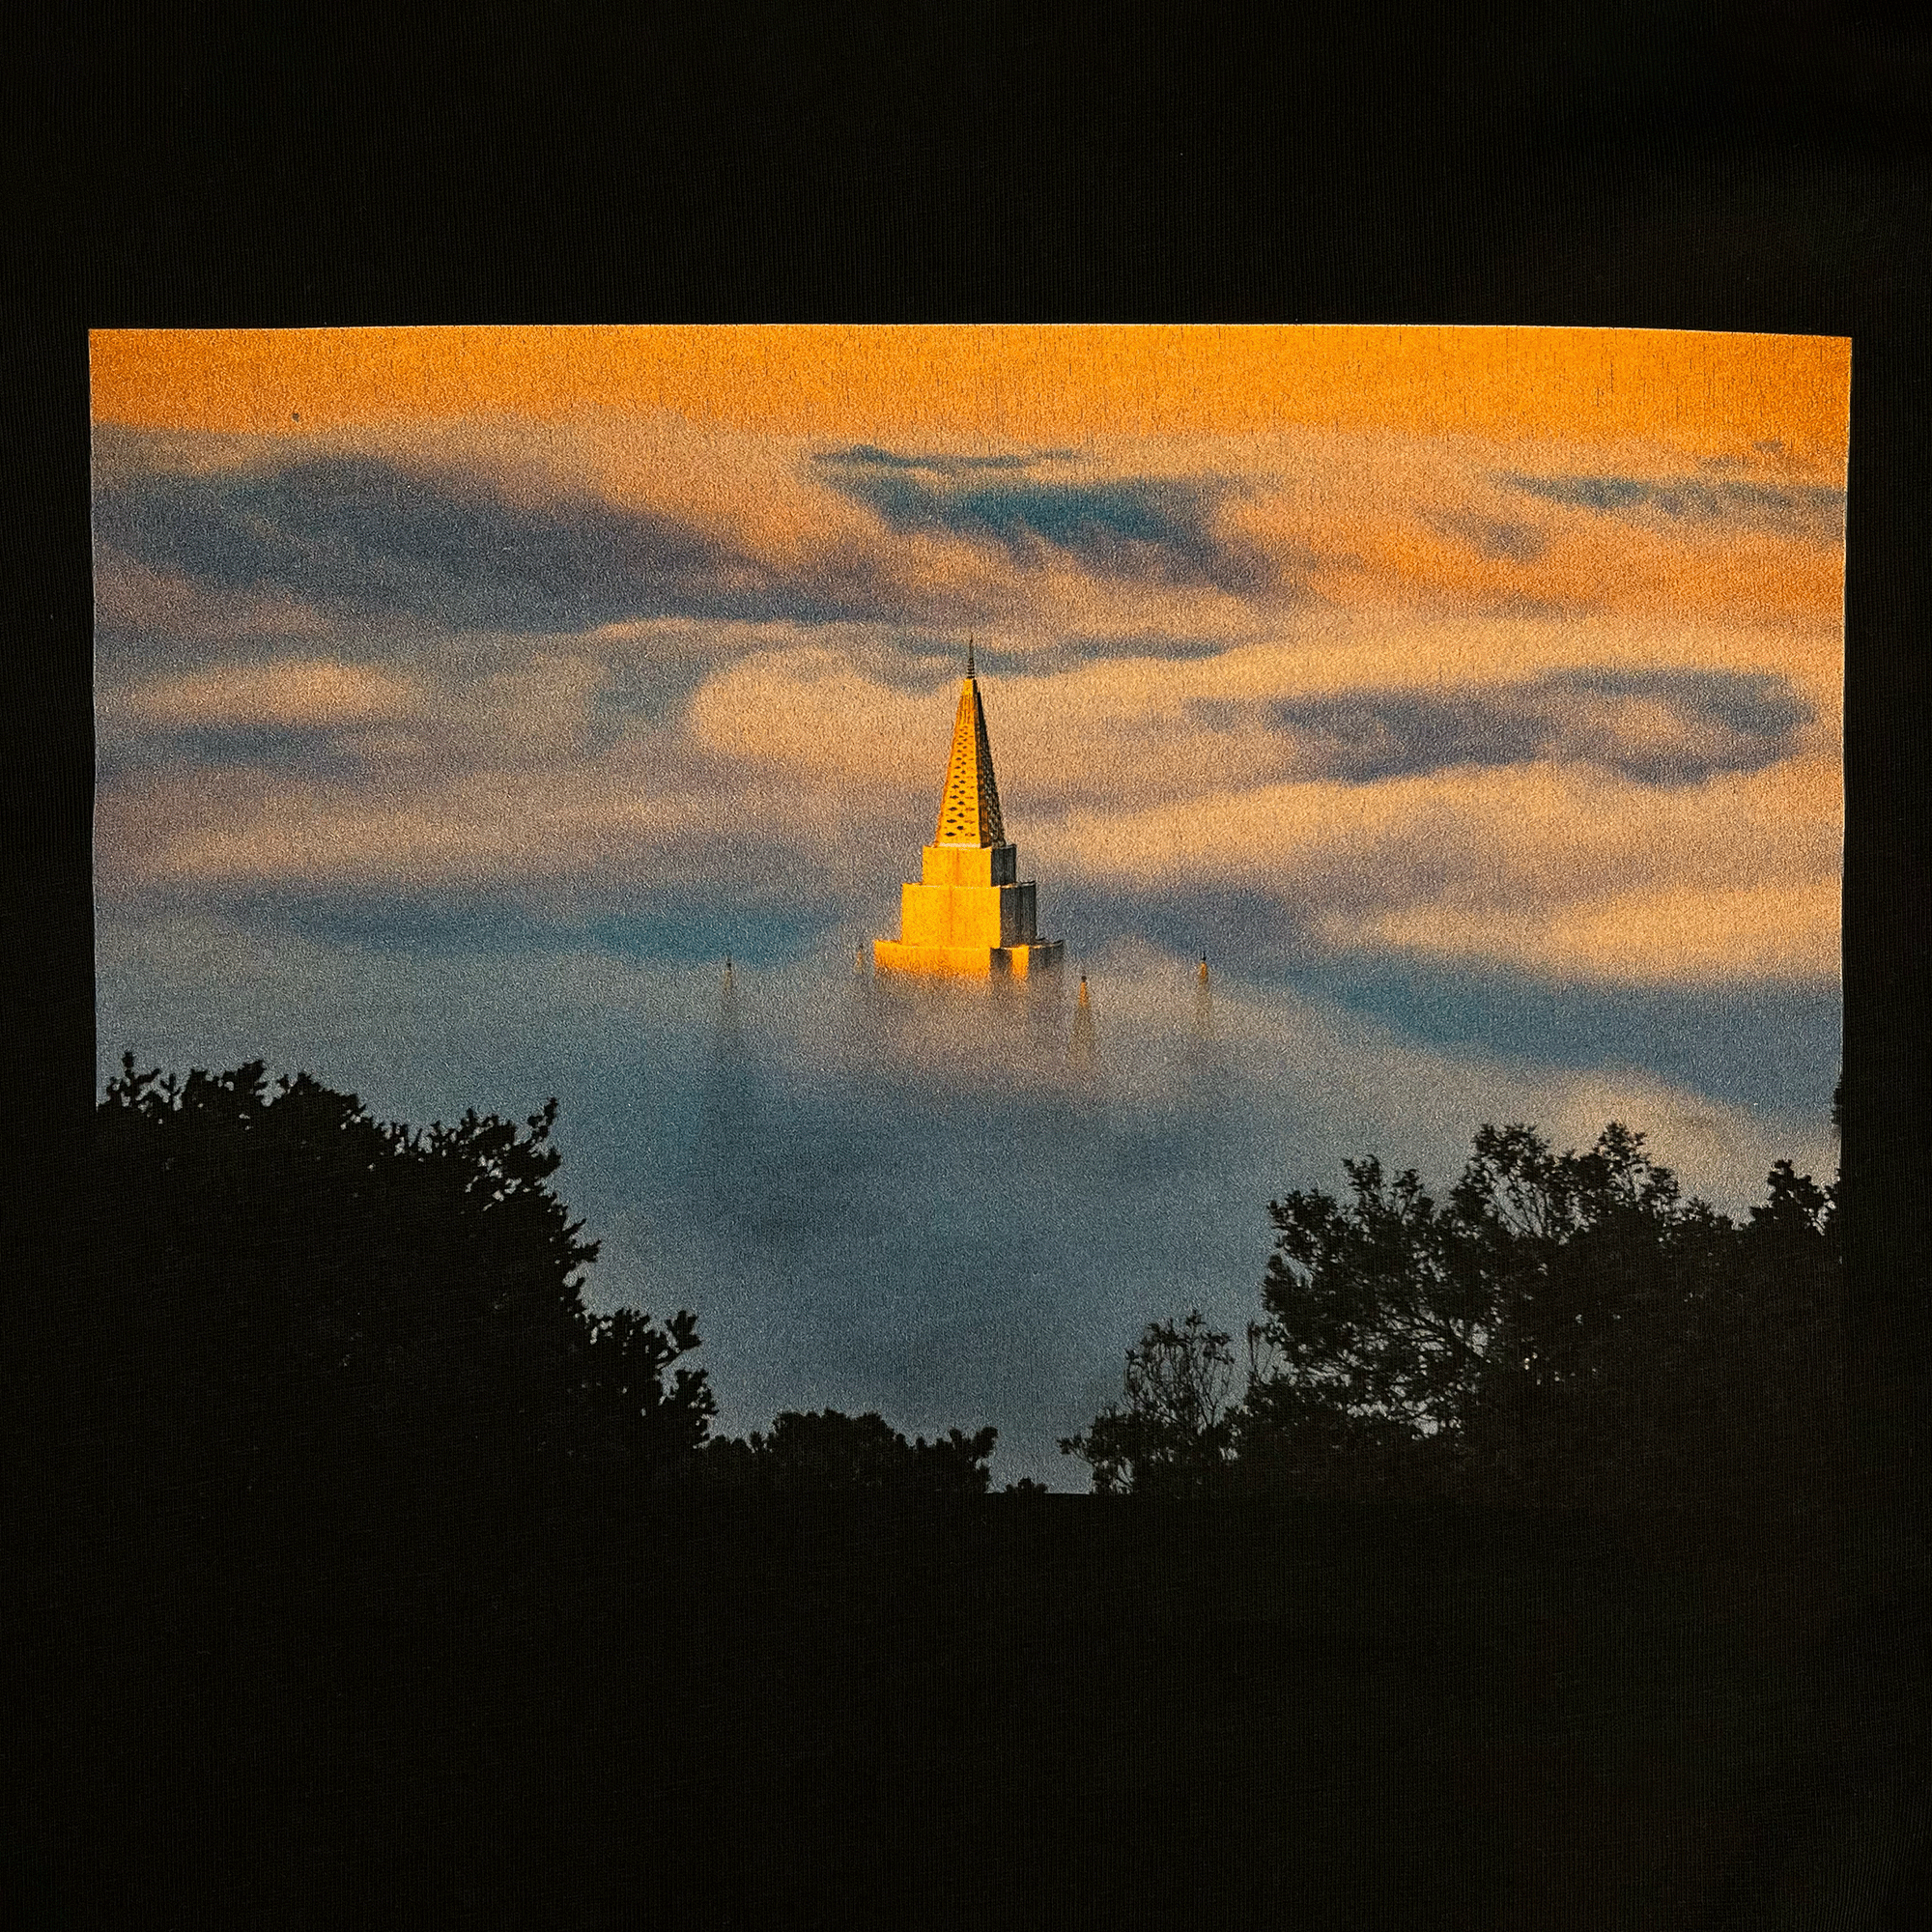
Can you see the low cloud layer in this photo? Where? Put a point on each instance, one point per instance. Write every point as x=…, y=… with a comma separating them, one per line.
x=877, y=1198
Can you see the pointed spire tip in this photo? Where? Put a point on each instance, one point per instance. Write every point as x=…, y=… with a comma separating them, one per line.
x=969, y=807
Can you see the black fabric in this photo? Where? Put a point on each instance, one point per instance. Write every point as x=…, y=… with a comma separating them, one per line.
x=474, y=1708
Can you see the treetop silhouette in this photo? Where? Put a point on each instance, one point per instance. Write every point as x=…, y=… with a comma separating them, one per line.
x=281, y=1281
x=1559, y=1328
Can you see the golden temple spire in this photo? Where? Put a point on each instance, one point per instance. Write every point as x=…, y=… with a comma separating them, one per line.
x=968, y=915
x=969, y=810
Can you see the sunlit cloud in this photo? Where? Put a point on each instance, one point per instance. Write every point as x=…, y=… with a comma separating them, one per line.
x=223, y=828
x=1677, y=934
x=293, y=692
x=1530, y=865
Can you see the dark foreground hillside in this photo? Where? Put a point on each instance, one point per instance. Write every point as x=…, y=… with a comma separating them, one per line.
x=365, y=1576
x=568, y=1710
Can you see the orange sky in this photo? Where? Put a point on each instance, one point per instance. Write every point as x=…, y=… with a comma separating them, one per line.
x=1334, y=539
x=1704, y=394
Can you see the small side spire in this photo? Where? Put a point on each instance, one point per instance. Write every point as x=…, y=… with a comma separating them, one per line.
x=969, y=654
x=1204, y=969
x=1080, y=1048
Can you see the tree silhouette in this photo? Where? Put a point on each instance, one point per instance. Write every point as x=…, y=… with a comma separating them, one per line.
x=282, y=1283
x=1564, y=1327
x=1173, y=1434
x=827, y=1450
x=1561, y=1329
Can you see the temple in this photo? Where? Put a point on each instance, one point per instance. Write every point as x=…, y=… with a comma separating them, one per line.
x=968, y=916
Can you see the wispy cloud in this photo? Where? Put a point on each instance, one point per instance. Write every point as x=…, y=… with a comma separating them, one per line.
x=296, y=694
x=1578, y=874
x=1157, y=528
x=359, y=535
x=1505, y=539
x=1664, y=726
x=1813, y=510
x=860, y=456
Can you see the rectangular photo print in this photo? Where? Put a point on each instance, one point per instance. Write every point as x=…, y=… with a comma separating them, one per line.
x=1151, y=909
